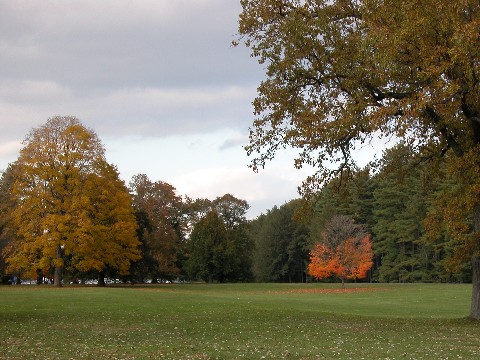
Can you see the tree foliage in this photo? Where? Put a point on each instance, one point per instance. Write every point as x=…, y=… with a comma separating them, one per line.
x=281, y=245
x=345, y=251
x=219, y=247
x=64, y=209
x=232, y=210
x=402, y=195
x=7, y=232
x=342, y=72
x=159, y=214
x=209, y=249
x=350, y=259
x=69, y=204
x=104, y=236
x=194, y=211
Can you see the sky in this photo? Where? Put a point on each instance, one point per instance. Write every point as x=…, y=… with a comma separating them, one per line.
x=159, y=82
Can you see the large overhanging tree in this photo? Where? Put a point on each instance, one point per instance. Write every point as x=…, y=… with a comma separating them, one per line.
x=343, y=72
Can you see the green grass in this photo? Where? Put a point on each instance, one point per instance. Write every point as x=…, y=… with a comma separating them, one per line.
x=238, y=321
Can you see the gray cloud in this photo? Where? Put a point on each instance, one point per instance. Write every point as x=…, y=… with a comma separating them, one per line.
x=114, y=43
x=155, y=67
x=151, y=112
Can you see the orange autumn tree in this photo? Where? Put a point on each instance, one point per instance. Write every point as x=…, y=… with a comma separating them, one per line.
x=349, y=260
x=345, y=251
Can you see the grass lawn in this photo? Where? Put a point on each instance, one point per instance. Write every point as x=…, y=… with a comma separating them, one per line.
x=238, y=321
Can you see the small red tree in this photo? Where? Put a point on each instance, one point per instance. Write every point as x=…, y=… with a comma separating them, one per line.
x=350, y=259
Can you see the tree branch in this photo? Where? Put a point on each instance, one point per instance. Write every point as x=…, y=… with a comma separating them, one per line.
x=451, y=141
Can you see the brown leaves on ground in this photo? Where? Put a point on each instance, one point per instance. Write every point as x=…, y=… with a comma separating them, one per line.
x=328, y=290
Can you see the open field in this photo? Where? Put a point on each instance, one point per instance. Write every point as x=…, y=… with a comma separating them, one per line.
x=235, y=321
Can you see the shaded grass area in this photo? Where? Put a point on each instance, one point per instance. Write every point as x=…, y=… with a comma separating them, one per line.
x=235, y=321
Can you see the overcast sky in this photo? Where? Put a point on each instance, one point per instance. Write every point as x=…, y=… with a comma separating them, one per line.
x=157, y=80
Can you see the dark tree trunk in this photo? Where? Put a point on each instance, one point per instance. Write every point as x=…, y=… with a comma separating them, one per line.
x=475, y=306
x=59, y=269
x=39, y=277
x=101, y=278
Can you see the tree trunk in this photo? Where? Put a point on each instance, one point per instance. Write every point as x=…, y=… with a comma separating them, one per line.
x=475, y=306
x=101, y=278
x=59, y=269
x=39, y=277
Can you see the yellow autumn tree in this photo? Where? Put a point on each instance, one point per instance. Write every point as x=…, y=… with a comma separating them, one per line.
x=104, y=237
x=57, y=177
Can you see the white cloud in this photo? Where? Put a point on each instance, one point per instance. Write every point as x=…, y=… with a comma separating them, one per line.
x=237, y=140
x=10, y=148
x=8, y=153
x=273, y=186
x=196, y=166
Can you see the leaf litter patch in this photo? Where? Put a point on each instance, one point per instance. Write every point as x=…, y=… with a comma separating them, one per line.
x=328, y=291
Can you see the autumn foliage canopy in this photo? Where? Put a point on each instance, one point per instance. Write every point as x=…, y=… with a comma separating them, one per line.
x=350, y=259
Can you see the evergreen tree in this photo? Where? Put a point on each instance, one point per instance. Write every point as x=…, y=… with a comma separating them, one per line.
x=233, y=213
x=281, y=251
x=401, y=198
x=209, y=250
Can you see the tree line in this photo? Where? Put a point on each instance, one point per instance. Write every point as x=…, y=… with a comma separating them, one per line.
x=401, y=204
x=65, y=212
